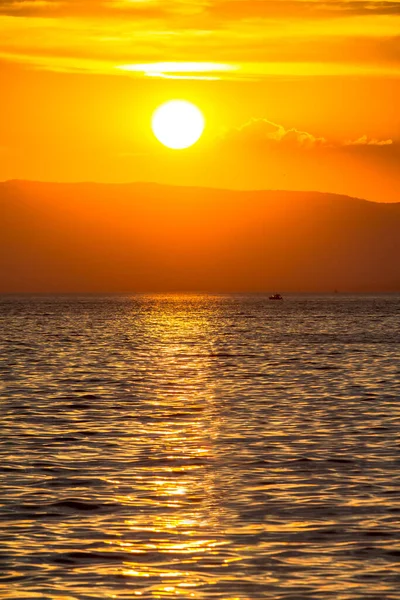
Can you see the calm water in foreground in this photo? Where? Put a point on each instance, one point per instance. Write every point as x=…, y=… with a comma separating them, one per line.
x=200, y=447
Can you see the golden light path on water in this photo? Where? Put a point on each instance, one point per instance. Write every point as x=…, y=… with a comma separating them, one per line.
x=199, y=447
x=192, y=524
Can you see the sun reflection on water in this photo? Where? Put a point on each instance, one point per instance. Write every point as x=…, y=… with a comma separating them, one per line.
x=183, y=524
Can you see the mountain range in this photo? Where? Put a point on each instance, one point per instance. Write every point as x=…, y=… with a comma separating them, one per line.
x=144, y=237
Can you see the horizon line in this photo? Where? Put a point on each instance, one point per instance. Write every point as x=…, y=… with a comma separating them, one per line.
x=207, y=292
x=198, y=187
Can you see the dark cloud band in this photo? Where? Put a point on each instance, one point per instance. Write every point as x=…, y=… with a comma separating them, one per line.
x=227, y=10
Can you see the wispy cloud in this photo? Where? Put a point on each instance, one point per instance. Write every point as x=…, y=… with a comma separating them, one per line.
x=264, y=38
x=229, y=10
x=300, y=9
x=28, y=8
x=179, y=70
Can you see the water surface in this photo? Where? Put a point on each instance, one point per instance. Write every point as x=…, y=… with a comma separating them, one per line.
x=200, y=447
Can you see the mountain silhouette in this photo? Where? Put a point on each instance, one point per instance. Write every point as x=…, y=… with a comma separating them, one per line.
x=87, y=237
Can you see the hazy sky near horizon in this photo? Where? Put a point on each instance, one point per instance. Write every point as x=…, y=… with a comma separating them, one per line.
x=296, y=94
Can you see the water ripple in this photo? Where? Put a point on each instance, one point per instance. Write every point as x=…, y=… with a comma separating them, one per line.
x=200, y=447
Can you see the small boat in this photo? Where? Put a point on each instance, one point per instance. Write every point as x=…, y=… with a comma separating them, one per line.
x=276, y=297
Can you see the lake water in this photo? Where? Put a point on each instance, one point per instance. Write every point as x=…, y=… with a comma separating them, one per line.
x=200, y=447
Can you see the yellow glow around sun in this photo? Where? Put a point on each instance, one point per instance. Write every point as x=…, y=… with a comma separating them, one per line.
x=177, y=124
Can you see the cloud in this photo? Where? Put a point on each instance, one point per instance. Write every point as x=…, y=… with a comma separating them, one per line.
x=262, y=134
x=302, y=9
x=365, y=141
x=225, y=10
x=101, y=35
x=179, y=70
x=88, y=8
x=259, y=132
x=28, y=8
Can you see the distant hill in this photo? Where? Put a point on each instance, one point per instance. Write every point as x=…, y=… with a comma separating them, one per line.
x=147, y=237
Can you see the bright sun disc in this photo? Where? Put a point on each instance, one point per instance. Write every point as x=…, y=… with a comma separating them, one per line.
x=177, y=124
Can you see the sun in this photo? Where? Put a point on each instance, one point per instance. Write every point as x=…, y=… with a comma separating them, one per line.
x=177, y=124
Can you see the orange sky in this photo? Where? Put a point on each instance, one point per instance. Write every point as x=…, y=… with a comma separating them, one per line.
x=296, y=94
